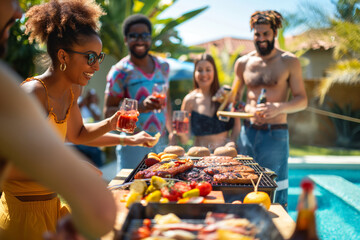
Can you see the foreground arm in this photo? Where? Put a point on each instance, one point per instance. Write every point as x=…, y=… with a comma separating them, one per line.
x=52, y=164
x=97, y=134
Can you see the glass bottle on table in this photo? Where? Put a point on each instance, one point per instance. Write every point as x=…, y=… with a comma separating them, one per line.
x=305, y=223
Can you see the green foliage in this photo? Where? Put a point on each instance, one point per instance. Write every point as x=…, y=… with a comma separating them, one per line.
x=165, y=37
x=348, y=40
x=21, y=54
x=298, y=151
x=343, y=29
x=225, y=63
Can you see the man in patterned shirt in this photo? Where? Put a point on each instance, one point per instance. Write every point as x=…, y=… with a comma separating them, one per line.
x=134, y=77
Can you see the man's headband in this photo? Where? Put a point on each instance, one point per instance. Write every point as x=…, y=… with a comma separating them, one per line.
x=266, y=17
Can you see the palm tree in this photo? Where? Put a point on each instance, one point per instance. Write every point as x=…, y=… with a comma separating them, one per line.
x=165, y=37
x=343, y=28
x=22, y=54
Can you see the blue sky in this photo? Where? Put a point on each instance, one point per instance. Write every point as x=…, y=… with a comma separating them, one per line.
x=228, y=17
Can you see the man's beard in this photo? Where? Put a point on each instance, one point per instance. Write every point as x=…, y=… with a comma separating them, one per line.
x=266, y=51
x=137, y=55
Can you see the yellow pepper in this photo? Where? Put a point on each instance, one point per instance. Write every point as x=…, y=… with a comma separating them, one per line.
x=192, y=193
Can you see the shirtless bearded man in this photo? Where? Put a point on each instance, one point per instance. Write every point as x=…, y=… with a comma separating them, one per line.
x=265, y=136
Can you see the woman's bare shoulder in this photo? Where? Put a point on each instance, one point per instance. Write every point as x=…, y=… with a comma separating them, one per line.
x=35, y=87
x=189, y=100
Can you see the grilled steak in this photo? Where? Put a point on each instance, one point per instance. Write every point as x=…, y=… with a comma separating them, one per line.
x=225, y=169
x=235, y=177
x=195, y=174
x=216, y=161
x=166, y=169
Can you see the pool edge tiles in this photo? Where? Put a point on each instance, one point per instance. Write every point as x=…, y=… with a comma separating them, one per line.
x=340, y=187
x=324, y=162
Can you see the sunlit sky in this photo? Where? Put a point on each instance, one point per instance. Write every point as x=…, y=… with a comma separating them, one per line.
x=228, y=18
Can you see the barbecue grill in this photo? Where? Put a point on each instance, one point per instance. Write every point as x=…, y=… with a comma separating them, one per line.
x=230, y=191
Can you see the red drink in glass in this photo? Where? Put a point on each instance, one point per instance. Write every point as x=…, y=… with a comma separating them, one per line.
x=128, y=116
x=180, y=122
x=161, y=97
x=159, y=91
x=181, y=126
x=127, y=121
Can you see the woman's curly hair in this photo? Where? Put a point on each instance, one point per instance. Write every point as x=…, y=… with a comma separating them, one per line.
x=62, y=23
x=271, y=17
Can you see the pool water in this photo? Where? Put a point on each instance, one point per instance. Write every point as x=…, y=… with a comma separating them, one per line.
x=335, y=218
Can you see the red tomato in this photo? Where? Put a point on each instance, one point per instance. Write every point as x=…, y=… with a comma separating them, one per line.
x=193, y=184
x=205, y=188
x=170, y=194
x=181, y=187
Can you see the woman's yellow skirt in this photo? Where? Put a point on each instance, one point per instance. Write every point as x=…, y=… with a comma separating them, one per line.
x=28, y=220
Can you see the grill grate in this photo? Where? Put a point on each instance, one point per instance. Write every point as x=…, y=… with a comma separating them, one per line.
x=265, y=182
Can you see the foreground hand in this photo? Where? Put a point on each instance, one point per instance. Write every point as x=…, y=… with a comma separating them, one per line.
x=113, y=120
x=141, y=139
x=149, y=104
x=268, y=110
x=220, y=94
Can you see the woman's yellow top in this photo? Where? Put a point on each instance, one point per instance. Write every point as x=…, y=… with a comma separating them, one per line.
x=29, y=187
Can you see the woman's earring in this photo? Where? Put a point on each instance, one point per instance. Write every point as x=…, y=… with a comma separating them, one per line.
x=63, y=67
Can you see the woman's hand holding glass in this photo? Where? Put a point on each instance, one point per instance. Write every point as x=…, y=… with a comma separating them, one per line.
x=128, y=116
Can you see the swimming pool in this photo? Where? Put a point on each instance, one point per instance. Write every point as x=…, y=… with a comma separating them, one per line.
x=335, y=218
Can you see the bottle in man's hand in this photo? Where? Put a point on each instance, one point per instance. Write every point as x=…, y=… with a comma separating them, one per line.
x=262, y=96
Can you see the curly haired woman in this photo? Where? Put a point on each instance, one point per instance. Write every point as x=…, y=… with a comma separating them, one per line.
x=69, y=30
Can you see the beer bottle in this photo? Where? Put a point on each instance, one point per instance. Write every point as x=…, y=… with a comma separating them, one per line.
x=262, y=96
x=305, y=223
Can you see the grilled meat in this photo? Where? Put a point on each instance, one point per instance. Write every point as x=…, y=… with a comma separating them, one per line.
x=225, y=169
x=166, y=169
x=195, y=174
x=235, y=177
x=216, y=161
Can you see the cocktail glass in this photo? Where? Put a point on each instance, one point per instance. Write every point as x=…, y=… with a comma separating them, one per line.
x=180, y=122
x=159, y=91
x=128, y=116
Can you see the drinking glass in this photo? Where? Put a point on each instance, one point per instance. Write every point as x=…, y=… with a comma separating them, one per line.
x=159, y=91
x=180, y=122
x=128, y=116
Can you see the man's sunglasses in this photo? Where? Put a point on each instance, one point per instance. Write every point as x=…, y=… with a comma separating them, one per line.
x=92, y=57
x=132, y=37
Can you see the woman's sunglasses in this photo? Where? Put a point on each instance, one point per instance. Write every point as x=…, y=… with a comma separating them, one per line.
x=92, y=57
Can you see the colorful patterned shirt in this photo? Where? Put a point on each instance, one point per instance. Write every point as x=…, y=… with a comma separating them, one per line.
x=125, y=80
